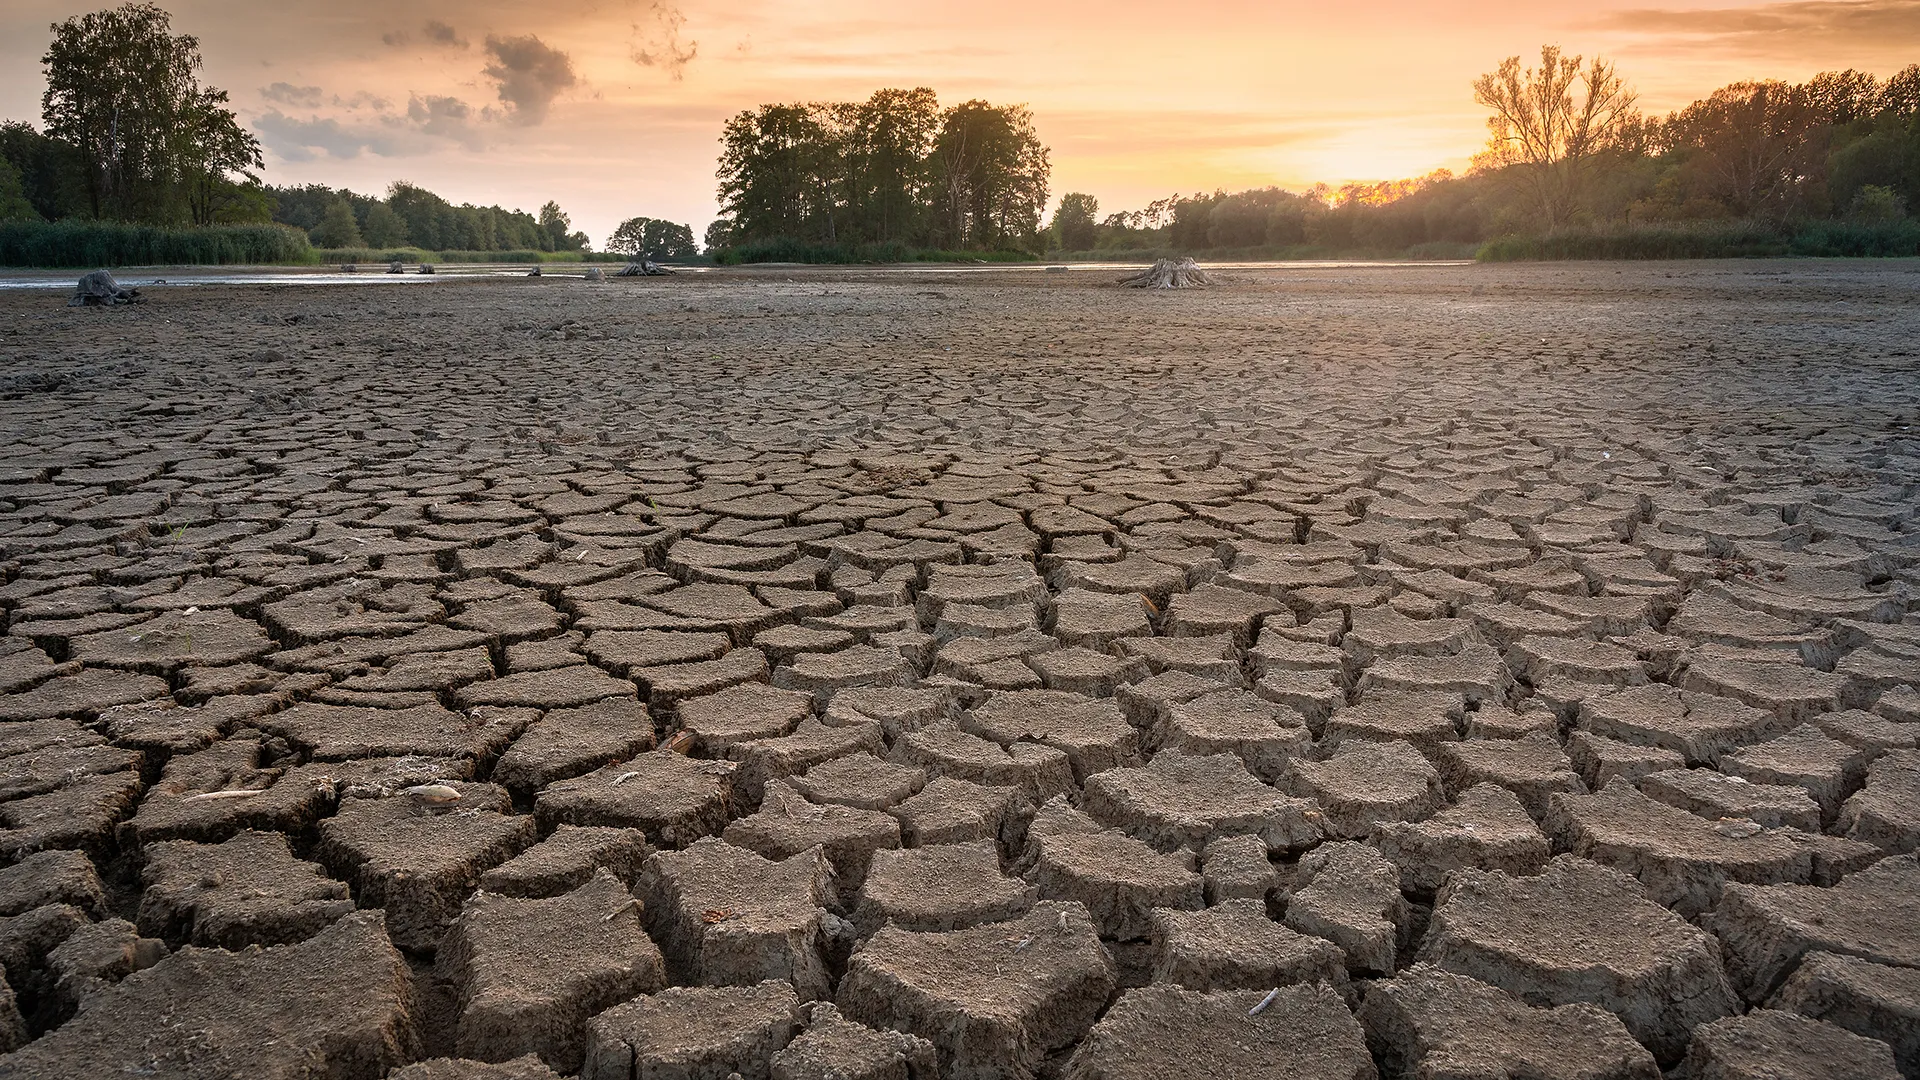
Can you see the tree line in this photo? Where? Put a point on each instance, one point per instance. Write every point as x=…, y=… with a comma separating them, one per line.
x=895, y=169
x=131, y=136
x=1569, y=149
x=410, y=215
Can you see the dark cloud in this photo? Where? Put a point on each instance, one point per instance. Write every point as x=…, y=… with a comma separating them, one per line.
x=531, y=74
x=289, y=94
x=435, y=34
x=1781, y=27
x=656, y=39
x=446, y=117
x=362, y=100
x=439, y=33
x=427, y=124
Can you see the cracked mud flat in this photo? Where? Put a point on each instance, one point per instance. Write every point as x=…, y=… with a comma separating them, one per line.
x=1471, y=671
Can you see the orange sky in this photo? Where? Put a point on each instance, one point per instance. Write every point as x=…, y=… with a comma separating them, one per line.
x=1136, y=99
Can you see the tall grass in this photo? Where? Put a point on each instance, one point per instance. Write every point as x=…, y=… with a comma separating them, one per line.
x=892, y=251
x=105, y=243
x=421, y=255
x=1714, y=240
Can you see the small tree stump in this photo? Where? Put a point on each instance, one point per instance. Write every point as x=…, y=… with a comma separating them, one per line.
x=99, y=288
x=1170, y=274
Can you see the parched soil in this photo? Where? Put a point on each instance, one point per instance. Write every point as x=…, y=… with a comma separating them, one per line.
x=1346, y=671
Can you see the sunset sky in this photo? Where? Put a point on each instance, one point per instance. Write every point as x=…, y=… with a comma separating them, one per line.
x=615, y=107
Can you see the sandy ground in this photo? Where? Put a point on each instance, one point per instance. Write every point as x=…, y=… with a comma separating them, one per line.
x=809, y=673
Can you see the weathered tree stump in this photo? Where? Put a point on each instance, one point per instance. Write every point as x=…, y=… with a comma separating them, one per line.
x=100, y=289
x=1170, y=274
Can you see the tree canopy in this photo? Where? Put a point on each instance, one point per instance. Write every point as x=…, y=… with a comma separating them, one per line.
x=653, y=238
x=893, y=168
x=156, y=146
x=1569, y=150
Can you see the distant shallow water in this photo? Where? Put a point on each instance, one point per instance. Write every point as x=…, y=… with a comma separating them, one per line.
x=149, y=277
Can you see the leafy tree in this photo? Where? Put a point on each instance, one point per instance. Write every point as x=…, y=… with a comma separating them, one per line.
x=1073, y=224
x=337, y=228
x=301, y=207
x=889, y=139
x=1192, y=220
x=719, y=235
x=381, y=226
x=771, y=180
x=52, y=173
x=1877, y=204
x=242, y=204
x=208, y=145
x=14, y=205
x=1842, y=97
x=652, y=237
x=1757, y=148
x=991, y=177
x=893, y=168
x=122, y=90
x=1545, y=134
x=1900, y=95
x=555, y=226
x=430, y=218
x=1887, y=157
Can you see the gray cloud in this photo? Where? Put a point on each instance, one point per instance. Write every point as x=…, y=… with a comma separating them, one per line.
x=446, y=117
x=656, y=40
x=1789, y=26
x=362, y=100
x=531, y=74
x=435, y=34
x=439, y=33
x=428, y=123
x=289, y=94
x=294, y=139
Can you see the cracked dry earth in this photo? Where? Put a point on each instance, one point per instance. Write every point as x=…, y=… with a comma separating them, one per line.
x=1463, y=672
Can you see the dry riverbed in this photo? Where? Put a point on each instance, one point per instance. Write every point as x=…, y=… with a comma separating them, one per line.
x=1344, y=672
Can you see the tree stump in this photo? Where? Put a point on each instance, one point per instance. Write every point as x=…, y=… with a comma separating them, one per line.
x=100, y=289
x=1170, y=274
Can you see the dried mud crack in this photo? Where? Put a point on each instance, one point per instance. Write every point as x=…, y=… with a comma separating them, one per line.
x=1354, y=672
